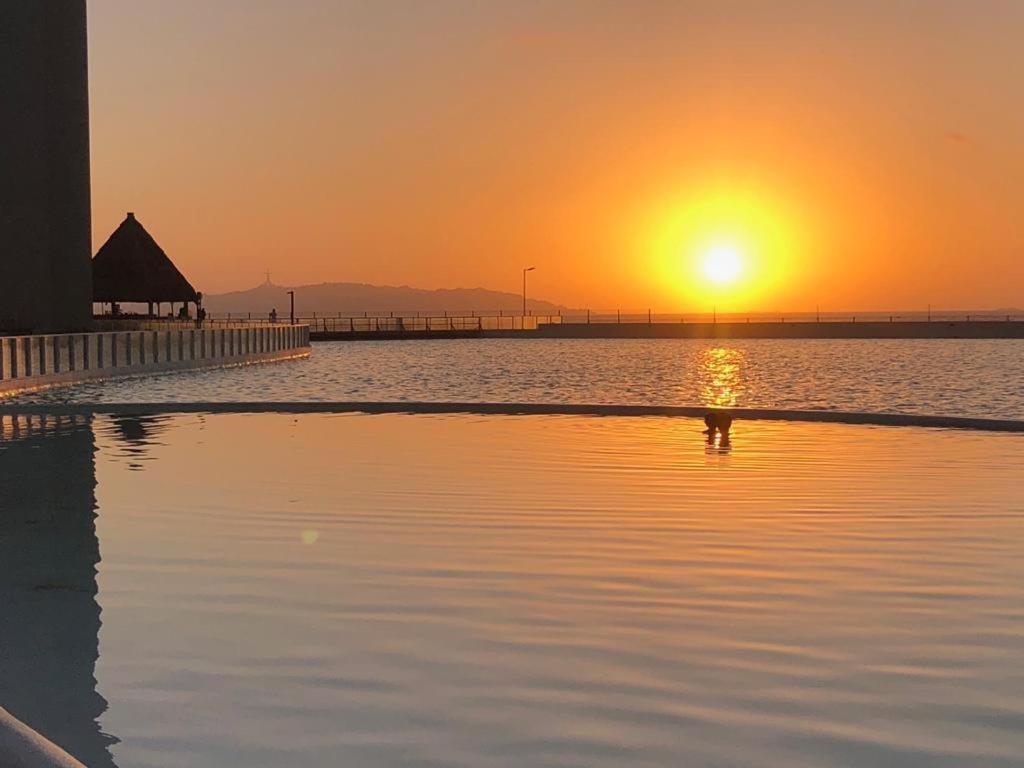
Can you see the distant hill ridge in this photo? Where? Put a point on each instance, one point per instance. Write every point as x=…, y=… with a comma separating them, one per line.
x=351, y=298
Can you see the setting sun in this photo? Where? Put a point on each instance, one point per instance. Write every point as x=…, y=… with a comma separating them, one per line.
x=735, y=245
x=722, y=264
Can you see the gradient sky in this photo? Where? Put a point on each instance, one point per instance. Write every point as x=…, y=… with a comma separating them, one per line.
x=863, y=155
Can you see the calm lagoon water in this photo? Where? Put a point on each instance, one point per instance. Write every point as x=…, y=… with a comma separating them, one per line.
x=943, y=377
x=271, y=590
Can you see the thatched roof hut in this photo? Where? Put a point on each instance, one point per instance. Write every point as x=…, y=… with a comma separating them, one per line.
x=131, y=267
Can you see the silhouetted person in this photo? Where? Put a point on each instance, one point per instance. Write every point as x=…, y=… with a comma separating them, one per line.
x=720, y=422
x=273, y=315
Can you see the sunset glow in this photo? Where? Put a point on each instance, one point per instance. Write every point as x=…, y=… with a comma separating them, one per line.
x=548, y=382
x=612, y=154
x=722, y=264
x=728, y=246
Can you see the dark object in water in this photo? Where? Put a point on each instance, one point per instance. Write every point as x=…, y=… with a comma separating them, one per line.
x=717, y=421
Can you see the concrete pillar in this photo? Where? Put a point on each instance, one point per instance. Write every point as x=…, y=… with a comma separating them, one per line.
x=116, y=351
x=46, y=269
x=63, y=354
x=90, y=359
x=49, y=348
x=23, y=355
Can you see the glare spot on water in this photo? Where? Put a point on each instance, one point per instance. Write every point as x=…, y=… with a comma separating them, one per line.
x=721, y=375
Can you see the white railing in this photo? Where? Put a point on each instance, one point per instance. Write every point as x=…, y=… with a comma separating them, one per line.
x=31, y=361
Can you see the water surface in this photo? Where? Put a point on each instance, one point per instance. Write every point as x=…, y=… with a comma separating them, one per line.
x=400, y=590
x=929, y=376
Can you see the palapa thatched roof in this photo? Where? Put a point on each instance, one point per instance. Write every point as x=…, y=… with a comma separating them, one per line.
x=131, y=267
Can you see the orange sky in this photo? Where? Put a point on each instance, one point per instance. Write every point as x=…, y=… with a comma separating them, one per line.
x=864, y=155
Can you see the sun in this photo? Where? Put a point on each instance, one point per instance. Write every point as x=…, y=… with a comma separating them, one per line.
x=722, y=264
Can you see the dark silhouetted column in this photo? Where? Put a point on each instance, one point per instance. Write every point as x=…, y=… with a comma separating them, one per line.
x=45, y=239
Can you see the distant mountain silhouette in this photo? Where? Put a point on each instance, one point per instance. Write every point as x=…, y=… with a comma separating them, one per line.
x=352, y=298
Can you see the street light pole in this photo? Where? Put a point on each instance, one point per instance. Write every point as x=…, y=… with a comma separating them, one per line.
x=525, y=270
x=291, y=315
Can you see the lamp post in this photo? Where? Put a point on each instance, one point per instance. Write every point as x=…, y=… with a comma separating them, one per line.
x=291, y=315
x=525, y=270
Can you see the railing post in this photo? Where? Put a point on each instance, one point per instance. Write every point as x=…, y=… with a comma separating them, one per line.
x=26, y=355
x=11, y=359
x=41, y=350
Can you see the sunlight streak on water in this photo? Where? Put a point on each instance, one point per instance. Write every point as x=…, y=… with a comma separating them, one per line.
x=722, y=377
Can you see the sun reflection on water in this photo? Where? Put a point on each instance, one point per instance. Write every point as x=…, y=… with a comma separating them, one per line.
x=721, y=377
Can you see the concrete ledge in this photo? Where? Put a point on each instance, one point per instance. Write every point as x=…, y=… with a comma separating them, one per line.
x=873, y=329
x=22, y=747
x=21, y=386
x=830, y=329
x=524, y=409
